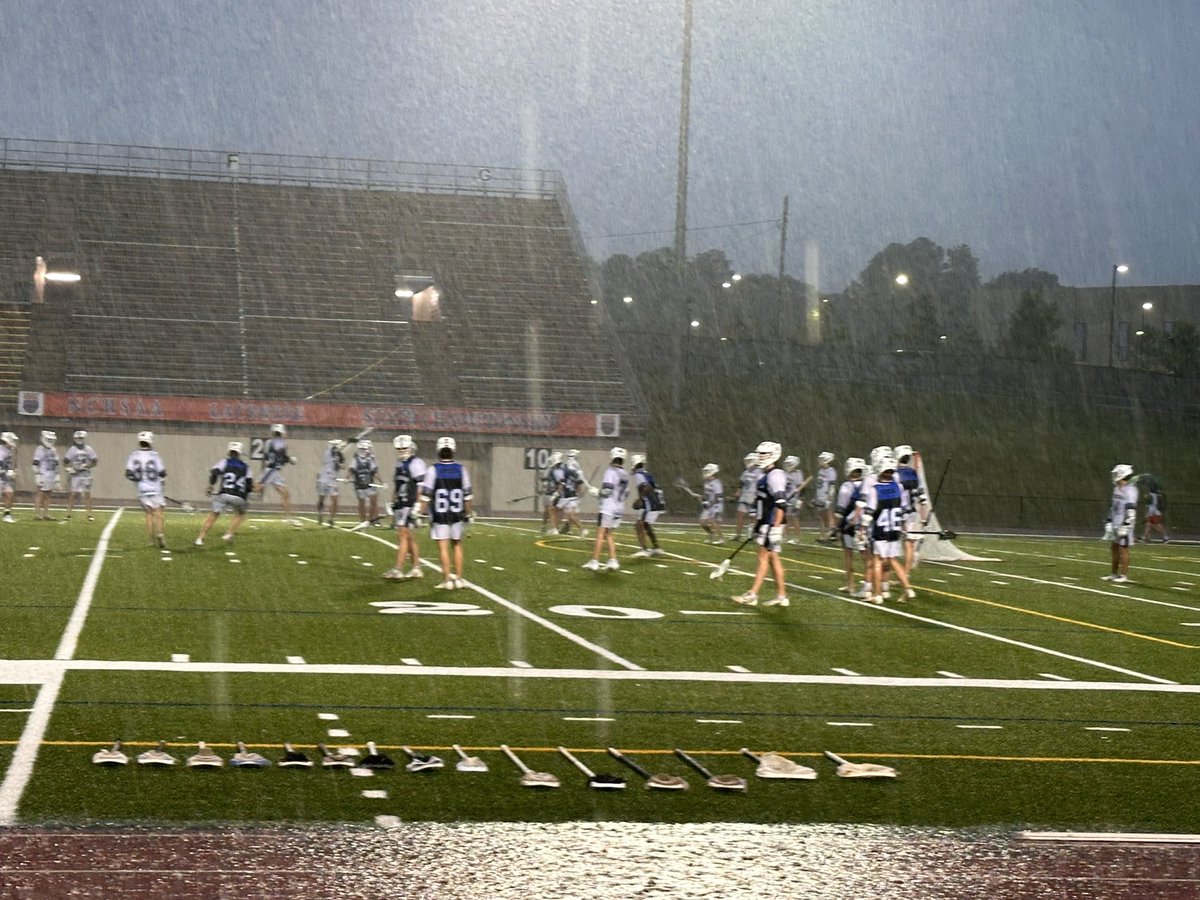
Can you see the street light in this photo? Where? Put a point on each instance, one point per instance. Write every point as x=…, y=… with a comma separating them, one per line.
x=1118, y=268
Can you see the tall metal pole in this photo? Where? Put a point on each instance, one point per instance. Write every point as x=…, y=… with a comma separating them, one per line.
x=783, y=246
x=681, y=177
x=1112, y=316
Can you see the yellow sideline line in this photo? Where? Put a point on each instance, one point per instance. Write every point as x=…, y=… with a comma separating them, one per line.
x=1028, y=612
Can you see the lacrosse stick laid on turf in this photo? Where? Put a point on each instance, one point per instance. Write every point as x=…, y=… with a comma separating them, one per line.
x=247, y=759
x=182, y=504
x=773, y=765
x=204, y=758
x=860, y=770
x=421, y=762
x=468, y=763
x=376, y=760
x=716, y=782
x=657, y=782
x=721, y=569
x=294, y=759
x=530, y=778
x=601, y=782
x=157, y=757
x=334, y=759
x=113, y=756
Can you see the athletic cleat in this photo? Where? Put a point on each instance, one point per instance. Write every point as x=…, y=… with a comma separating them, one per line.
x=878, y=599
x=93, y=519
x=1109, y=577
x=415, y=572
x=583, y=532
x=8, y=519
x=458, y=582
x=909, y=594
x=777, y=601
x=845, y=590
x=447, y=585
x=199, y=542
x=592, y=565
x=161, y=541
x=719, y=541
x=393, y=574
x=641, y=554
x=887, y=595
x=792, y=541
x=656, y=551
x=1120, y=579
x=227, y=538
x=612, y=565
x=747, y=599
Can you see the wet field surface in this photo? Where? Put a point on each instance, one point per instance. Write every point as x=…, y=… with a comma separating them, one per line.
x=582, y=860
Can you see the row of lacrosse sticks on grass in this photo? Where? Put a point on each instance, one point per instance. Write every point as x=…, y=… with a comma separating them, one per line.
x=771, y=766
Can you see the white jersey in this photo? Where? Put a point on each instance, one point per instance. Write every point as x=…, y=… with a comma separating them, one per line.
x=80, y=460
x=613, y=491
x=147, y=469
x=1124, y=505
x=8, y=463
x=331, y=463
x=45, y=462
x=826, y=479
x=749, y=483
x=794, y=480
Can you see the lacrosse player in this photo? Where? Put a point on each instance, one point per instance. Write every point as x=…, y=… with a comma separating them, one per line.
x=796, y=483
x=80, y=459
x=870, y=479
x=568, y=499
x=916, y=506
x=8, y=472
x=230, y=480
x=848, y=512
x=612, y=492
x=406, y=479
x=446, y=493
x=327, y=485
x=552, y=479
x=275, y=457
x=1156, y=503
x=45, y=473
x=364, y=473
x=1121, y=517
x=145, y=468
x=882, y=524
x=649, y=503
x=771, y=496
x=825, y=491
x=712, y=504
x=749, y=487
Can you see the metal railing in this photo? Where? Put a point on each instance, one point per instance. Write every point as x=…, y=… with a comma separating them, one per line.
x=276, y=168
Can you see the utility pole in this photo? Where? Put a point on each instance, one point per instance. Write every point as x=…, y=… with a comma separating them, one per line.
x=681, y=186
x=783, y=246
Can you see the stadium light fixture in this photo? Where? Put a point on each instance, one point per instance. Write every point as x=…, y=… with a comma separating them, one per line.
x=902, y=279
x=727, y=284
x=627, y=299
x=695, y=323
x=736, y=277
x=63, y=277
x=1147, y=306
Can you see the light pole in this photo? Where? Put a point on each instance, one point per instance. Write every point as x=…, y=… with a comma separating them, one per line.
x=1112, y=309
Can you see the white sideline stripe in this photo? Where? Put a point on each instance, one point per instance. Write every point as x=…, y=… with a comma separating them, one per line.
x=446, y=716
x=20, y=768
x=712, y=612
x=737, y=669
x=1102, y=728
x=328, y=717
x=28, y=709
x=1107, y=837
x=588, y=719
x=1053, y=677
x=1191, y=624
x=949, y=674
x=982, y=727
x=852, y=724
x=719, y=721
x=521, y=611
x=850, y=672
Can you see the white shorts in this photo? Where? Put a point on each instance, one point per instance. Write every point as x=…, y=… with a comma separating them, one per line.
x=763, y=539
x=746, y=506
x=568, y=504
x=549, y=500
x=650, y=516
x=272, y=476
x=46, y=482
x=81, y=484
x=1126, y=541
x=608, y=521
x=228, y=503
x=912, y=527
x=151, y=500
x=441, y=531
x=849, y=541
x=886, y=549
x=712, y=514
x=403, y=517
x=326, y=488
x=366, y=493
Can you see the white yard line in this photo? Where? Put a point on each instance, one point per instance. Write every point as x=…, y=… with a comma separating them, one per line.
x=20, y=769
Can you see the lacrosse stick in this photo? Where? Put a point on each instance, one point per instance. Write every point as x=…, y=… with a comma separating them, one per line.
x=716, y=782
x=601, y=782
x=334, y=759
x=774, y=765
x=721, y=569
x=945, y=535
x=376, y=760
x=860, y=770
x=421, y=762
x=530, y=778
x=204, y=758
x=374, y=484
x=523, y=499
x=681, y=482
x=246, y=759
x=182, y=504
x=659, y=781
x=468, y=763
x=157, y=757
x=294, y=759
x=113, y=756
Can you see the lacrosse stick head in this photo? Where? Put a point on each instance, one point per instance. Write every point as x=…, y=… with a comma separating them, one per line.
x=157, y=757
x=606, y=782
x=112, y=756
x=539, y=780
x=471, y=764
x=719, y=571
x=204, y=758
x=247, y=759
x=727, y=783
x=865, y=770
x=294, y=759
x=774, y=765
x=421, y=762
x=661, y=781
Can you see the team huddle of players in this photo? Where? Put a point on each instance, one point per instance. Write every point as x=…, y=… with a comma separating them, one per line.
x=48, y=468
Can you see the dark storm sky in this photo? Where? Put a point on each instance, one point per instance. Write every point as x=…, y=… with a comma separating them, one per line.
x=1060, y=134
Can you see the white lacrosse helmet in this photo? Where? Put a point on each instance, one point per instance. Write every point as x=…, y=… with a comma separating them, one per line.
x=1121, y=472
x=335, y=442
x=279, y=430
x=902, y=452
x=855, y=464
x=447, y=443
x=9, y=438
x=555, y=458
x=145, y=437
x=710, y=470
x=616, y=453
x=638, y=459
x=824, y=458
x=48, y=438
x=791, y=463
x=572, y=454
x=80, y=436
x=234, y=447
x=885, y=464
x=405, y=445
x=767, y=453
x=879, y=453
x=364, y=446
x=750, y=459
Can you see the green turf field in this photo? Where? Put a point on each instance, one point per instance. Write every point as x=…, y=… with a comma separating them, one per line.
x=1018, y=691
